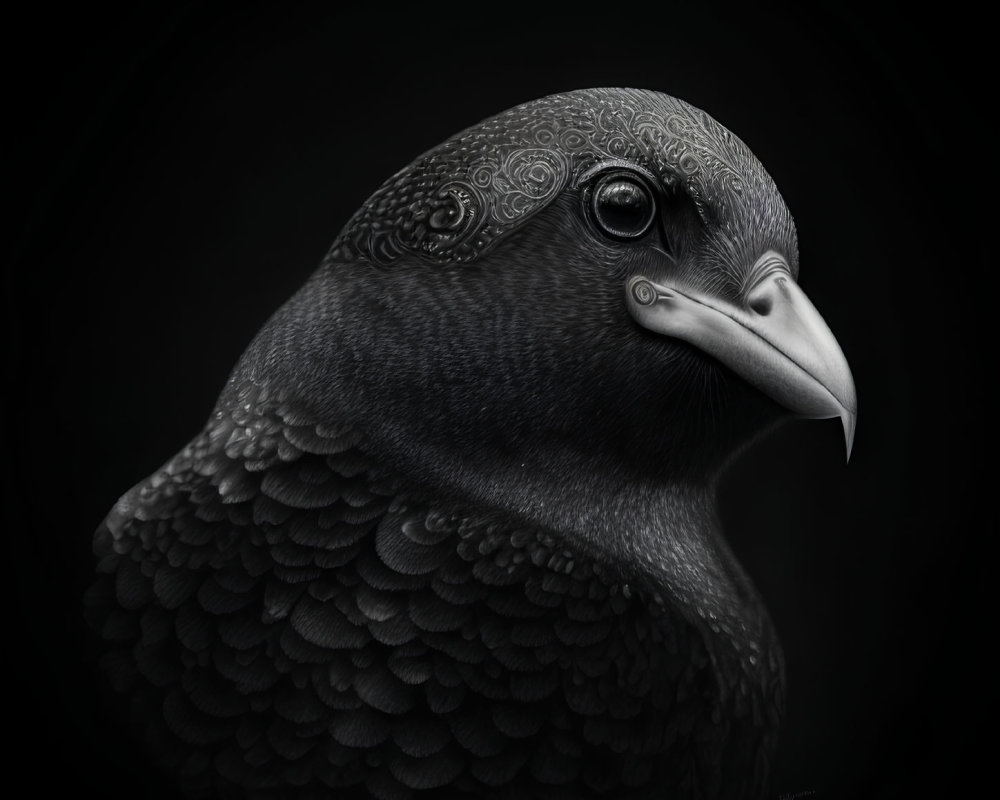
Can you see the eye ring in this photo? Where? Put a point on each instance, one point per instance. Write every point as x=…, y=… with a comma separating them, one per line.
x=621, y=205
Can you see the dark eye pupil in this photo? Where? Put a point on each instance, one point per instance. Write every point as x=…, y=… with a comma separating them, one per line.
x=623, y=207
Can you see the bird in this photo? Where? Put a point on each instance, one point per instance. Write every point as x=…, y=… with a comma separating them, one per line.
x=451, y=529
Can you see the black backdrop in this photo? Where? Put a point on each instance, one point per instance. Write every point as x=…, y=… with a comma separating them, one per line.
x=178, y=173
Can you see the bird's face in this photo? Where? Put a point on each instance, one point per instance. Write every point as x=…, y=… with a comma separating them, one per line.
x=609, y=271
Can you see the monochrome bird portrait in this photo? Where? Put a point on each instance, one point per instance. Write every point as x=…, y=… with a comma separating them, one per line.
x=451, y=527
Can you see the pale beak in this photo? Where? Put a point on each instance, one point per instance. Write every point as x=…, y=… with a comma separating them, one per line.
x=777, y=342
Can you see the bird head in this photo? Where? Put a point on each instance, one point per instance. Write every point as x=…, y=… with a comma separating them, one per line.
x=605, y=277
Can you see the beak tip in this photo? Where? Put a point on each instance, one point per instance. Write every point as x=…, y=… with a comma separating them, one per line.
x=849, y=420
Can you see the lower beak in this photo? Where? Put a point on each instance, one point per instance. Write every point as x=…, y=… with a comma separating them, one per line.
x=777, y=342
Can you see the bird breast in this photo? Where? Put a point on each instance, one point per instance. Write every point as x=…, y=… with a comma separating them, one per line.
x=287, y=611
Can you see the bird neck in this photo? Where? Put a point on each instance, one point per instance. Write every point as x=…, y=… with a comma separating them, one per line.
x=661, y=538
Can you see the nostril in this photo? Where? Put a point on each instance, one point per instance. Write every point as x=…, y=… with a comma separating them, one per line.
x=761, y=305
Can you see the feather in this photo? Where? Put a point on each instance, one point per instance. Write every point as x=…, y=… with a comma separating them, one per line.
x=374, y=571
x=382, y=690
x=300, y=488
x=156, y=626
x=310, y=531
x=430, y=613
x=517, y=722
x=482, y=683
x=211, y=696
x=481, y=740
x=427, y=773
x=331, y=559
x=279, y=599
x=385, y=787
x=583, y=699
x=283, y=737
x=403, y=554
x=308, y=439
x=517, y=659
x=460, y=649
x=488, y=572
x=443, y=699
x=531, y=634
x=459, y=594
x=299, y=705
x=349, y=463
x=194, y=627
x=132, y=589
x=513, y=604
x=499, y=769
x=582, y=634
x=289, y=554
x=258, y=675
x=301, y=651
x=216, y=600
x=421, y=738
x=363, y=727
x=324, y=625
x=173, y=586
x=379, y=606
x=267, y=511
x=413, y=671
x=335, y=690
x=550, y=766
x=297, y=575
x=530, y=687
x=425, y=531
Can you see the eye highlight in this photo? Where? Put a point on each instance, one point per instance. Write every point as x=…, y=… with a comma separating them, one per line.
x=621, y=204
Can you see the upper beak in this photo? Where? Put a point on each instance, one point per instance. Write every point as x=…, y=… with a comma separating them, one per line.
x=777, y=341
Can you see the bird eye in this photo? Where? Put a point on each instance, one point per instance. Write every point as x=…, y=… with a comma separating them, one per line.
x=622, y=205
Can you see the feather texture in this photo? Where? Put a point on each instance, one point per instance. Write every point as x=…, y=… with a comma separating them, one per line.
x=423, y=645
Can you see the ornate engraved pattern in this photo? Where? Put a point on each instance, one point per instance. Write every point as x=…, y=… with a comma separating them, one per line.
x=457, y=201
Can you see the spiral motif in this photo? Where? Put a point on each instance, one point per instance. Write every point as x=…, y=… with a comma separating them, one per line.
x=544, y=136
x=643, y=292
x=534, y=172
x=529, y=179
x=617, y=147
x=459, y=200
x=689, y=164
x=456, y=218
x=572, y=139
x=482, y=176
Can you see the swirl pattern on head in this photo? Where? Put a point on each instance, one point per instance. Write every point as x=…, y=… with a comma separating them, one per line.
x=456, y=202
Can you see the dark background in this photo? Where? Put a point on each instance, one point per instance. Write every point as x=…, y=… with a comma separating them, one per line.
x=178, y=172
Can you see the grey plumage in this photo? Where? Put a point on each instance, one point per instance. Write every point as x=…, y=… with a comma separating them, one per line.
x=450, y=528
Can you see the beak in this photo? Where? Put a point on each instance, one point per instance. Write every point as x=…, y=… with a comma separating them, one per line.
x=777, y=342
